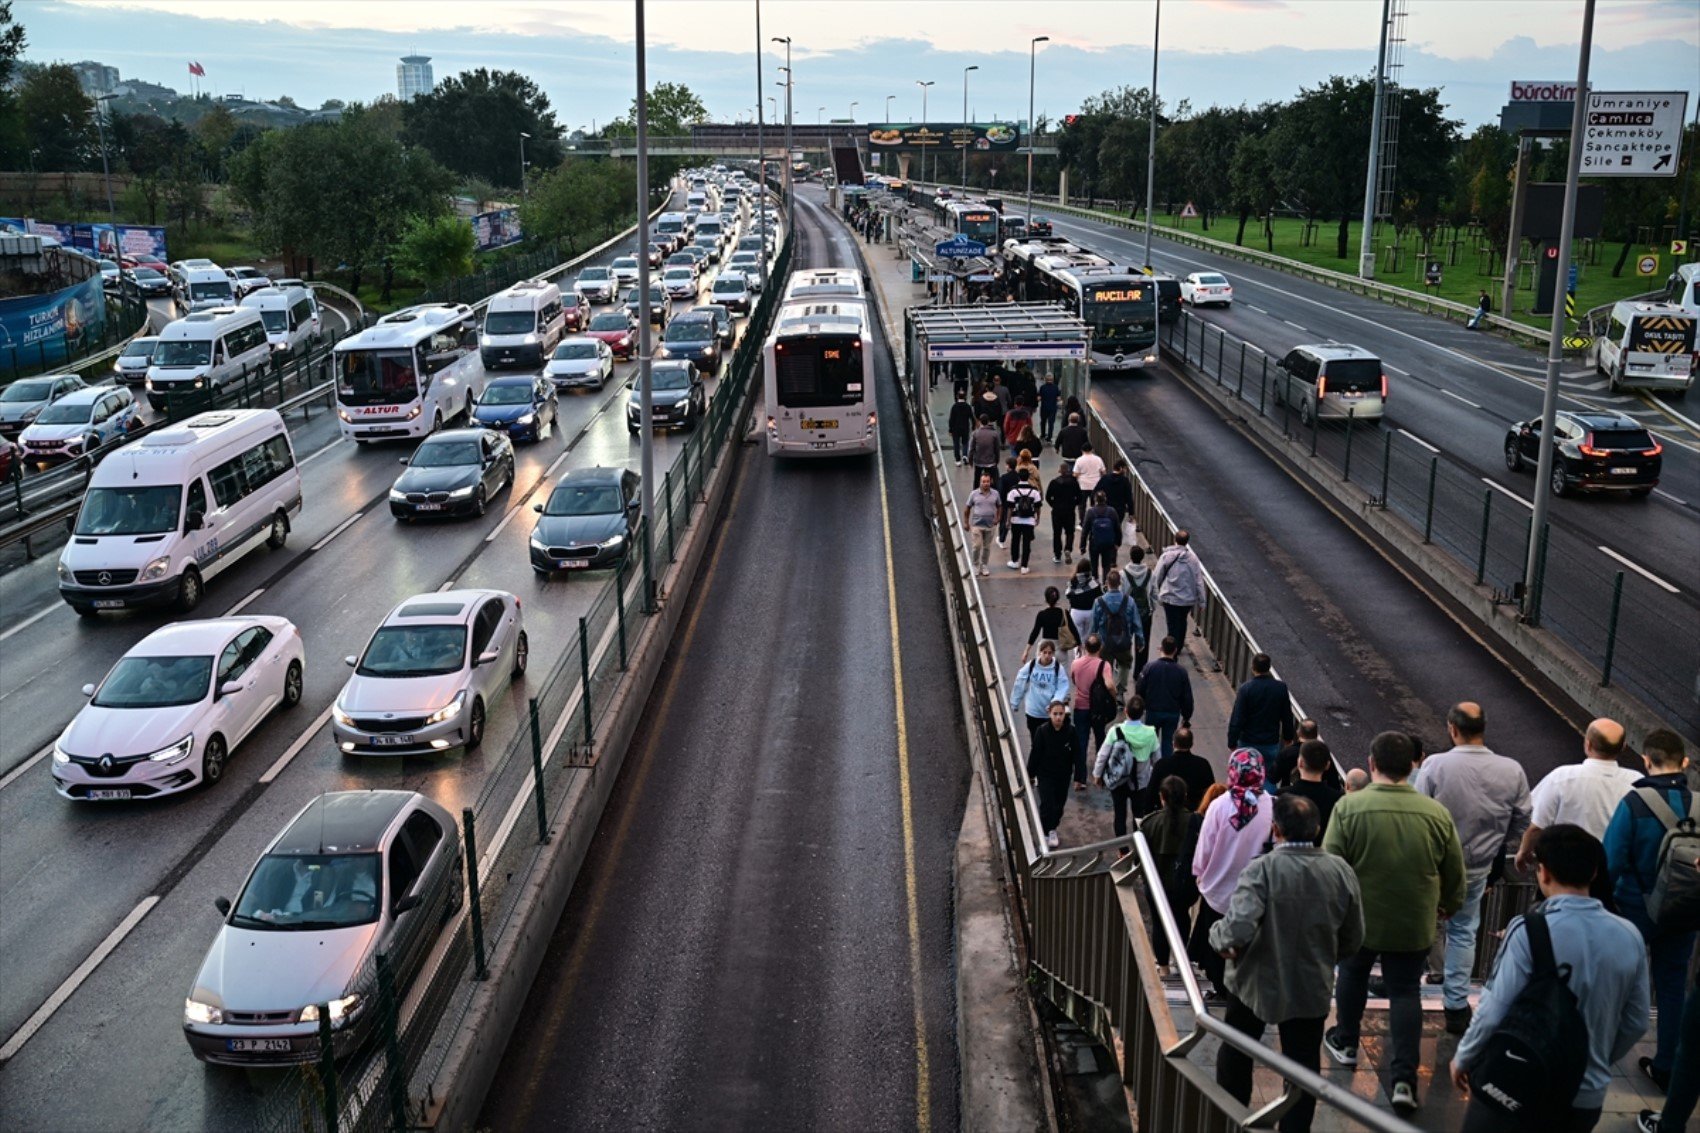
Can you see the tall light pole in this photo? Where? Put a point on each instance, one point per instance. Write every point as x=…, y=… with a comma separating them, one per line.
x=522, y=137
x=105, y=165
x=888, y=99
x=820, y=115
x=790, y=81
x=966, y=144
x=1366, y=242
x=1151, y=138
x=761, y=157
x=646, y=390
x=923, y=84
x=773, y=103
x=854, y=105
x=1032, y=71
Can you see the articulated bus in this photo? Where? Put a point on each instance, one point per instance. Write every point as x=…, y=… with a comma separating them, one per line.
x=974, y=219
x=1117, y=303
x=818, y=369
x=409, y=373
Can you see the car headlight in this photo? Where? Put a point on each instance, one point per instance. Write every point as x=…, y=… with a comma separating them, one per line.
x=341, y=1010
x=65, y=574
x=611, y=544
x=156, y=570
x=397, y=496
x=462, y=493
x=448, y=711
x=32, y=414
x=340, y=411
x=59, y=755
x=340, y=716
x=176, y=753
x=149, y=382
x=707, y=350
x=194, y=1011
x=415, y=411
x=529, y=340
x=526, y=419
x=537, y=542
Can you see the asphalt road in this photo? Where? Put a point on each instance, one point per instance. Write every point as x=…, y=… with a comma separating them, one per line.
x=1456, y=392
x=69, y=875
x=741, y=951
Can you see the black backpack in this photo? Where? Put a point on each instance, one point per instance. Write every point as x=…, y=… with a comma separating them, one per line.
x=1533, y=1063
x=1102, y=699
x=1118, y=636
x=1024, y=504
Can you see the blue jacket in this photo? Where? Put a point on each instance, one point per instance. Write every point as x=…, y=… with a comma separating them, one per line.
x=1037, y=687
x=1633, y=836
x=1165, y=687
x=1102, y=607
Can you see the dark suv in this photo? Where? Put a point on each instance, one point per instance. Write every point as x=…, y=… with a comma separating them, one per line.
x=1591, y=452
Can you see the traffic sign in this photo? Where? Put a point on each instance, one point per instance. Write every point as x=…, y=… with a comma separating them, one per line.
x=1679, y=247
x=1189, y=212
x=1575, y=272
x=1570, y=304
x=1633, y=133
x=1577, y=342
x=1647, y=265
x=959, y=247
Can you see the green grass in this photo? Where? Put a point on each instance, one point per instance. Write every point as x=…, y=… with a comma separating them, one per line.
x=227, y=247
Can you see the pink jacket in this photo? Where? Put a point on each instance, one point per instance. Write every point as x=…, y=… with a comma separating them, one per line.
x=1223, y=851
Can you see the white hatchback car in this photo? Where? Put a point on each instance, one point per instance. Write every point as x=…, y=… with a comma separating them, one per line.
x=175, y=706
x=1205, y=287
x=680, y=283
x=580, y=362
x=425, y=681
x=625, y=270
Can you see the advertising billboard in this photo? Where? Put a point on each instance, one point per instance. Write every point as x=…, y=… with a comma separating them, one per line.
x=103, y=241
x=999, y=136
x=496, y=229
x=47, y=330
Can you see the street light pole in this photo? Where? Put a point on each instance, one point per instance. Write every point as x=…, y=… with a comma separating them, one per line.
x=924, y=85
x=965, y=144
x=820, y=115
x=888, y=99
x=853, y=107
x=790, y=192
x=105, y=165
x=1151, y=139
x=1366, y=242
x=646, y=390
x=761, y=156
x=522, y=137
x=1032, y=72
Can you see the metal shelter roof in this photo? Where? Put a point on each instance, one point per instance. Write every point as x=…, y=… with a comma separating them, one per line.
x=988, y=332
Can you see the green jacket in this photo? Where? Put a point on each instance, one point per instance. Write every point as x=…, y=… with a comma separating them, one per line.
x=1410, y=865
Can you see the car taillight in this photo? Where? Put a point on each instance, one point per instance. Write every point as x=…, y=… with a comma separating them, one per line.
x=1654, y=451
x=1321, y=388
x=1588, y=449
x=1384, y=387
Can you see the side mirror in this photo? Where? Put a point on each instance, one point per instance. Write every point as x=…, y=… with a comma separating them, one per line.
x=403, y=460
x=194, y=521
x=538, y=508
x=88, y=690
x=229, y=688
x=222, y=904
x=488, y=657
x=407, y=904
x=351, y=660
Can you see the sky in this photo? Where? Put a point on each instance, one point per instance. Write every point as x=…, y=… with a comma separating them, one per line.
x=582, y=54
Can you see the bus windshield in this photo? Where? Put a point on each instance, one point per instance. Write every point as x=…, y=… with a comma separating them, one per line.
x=819, y=369
x=376, y=377
x=510, y=322
x=980, y=226
x=200, y=291
x=276, y=321
x=1120, y=316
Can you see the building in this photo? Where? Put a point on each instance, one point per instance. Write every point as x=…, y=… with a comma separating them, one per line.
x=413, y=77
x=96, y=79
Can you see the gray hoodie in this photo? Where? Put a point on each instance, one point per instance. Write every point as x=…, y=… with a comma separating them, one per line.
x=1179, y=579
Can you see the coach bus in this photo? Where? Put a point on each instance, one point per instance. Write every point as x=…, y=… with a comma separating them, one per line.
x=818, y=369
x=409, y=373
x=1118, y=304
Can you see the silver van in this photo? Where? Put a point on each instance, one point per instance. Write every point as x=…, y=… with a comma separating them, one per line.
x=291, y=315
x=1332, y=381
x=205, y=350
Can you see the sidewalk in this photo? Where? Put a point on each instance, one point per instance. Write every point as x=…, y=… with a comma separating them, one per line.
x=1011, y=599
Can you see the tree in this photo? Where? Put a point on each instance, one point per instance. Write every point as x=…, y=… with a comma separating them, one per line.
x=472, y=123
x=579, y=197
x=12, y=43
x=1323, y=143
x=435, y=248
x=672, y=108
x=215, y=129
x=59, y=128
x=1481, y=181
x=1422, y=177
x=332, y=104
x=1253, y=180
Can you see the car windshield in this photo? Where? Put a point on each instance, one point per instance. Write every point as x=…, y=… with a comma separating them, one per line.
x=733, y=286
x=444, y=454
x=129, y=510
x=626, y=262
x=145, y=273
x=28, y=391
x=584, y=499
x=155, y=682
x=414, y=651
x=276, y=321
x=210, y=290
x=139, y=348
x=307, y=892
x=576, y=350
x=595, y=274
x=608, y=320
x=66, y=413
x=506, y=393
x=670, y=377
x=510, y=322
x=678, y=274
x=690, y=330
x=183, y=352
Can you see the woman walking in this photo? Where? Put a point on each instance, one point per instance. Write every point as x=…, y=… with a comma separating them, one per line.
x=1235, y=829
x=1050, y=625
x=1040, y=683
x=1083, y=592
x=1172, y=831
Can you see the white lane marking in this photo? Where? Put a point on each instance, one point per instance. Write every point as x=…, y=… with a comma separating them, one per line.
x=1465, y=400
x=1257, y=348
x=1255, y=307
x=449, y=585
x=1395, y=370
x=17, y=772
x=1671, y=498
x=1295, y=326
x=338, y=530
x=301, y=741
x=1664, y=407
x=75, y=980
x=1640, y=570
x=508, y=518
x=1419, y=440
x=550, y=471
x=1509, y=492
x=32, y=619
x=240, y=606
x=317, y=455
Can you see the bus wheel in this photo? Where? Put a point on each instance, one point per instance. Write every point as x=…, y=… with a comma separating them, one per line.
x=189, y=590
x=437, y=421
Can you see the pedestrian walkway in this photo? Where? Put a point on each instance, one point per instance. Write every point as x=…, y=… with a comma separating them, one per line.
x=1011, y=600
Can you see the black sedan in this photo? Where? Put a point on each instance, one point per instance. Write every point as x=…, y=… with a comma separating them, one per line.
x=693, y=337
x=145, y=281
x=524, y=408
x=658, y=304
x=1598, y=451
x=676, y=399
x=454, y=472
x=587, y=522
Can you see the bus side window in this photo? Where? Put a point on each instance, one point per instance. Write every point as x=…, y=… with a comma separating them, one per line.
x=1615, y=330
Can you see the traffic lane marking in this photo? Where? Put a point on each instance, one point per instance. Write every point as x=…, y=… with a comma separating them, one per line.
x=1671, y=498
x=320, y=451
x=1509, y=492
x=19, y=771
x=1455, y=397
x=32, y=619
x=242, y=605
x=1420, y=441
x=1640, y=570
x=337, y=530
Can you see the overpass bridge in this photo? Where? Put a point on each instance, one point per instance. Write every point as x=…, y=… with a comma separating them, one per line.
x=742, y=141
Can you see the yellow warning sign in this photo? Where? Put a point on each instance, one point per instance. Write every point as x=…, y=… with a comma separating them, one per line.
x=1647, y=265
x=1679, y=247
x=1666, y=322
x=1577, y=342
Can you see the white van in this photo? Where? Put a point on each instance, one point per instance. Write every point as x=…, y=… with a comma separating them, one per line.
x=206, y=349
x=167, y=512
x=291, y=315
x=522, y=325
x=1683, y=289
x=671, y=230
x=698, y=201
x=207, y=287
x=1648, y=346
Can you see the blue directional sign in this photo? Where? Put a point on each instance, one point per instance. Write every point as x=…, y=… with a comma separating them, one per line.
x=959, y=247
x=1574, y=273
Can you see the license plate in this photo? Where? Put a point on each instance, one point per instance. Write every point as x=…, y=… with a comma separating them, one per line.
x=257, y=1046
x=105, y=794
x=822, y=423
x=572, y=564
x=109, y=603
x=427, y=507
x=1623, y=472
x=823, y=444
x=391, y=741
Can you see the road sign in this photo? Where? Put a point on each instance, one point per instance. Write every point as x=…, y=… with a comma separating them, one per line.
x=1577, y=342
x=1633, y=133
x=959, y=247
x=1679, y=247
x=1647, y=265
x=1189, y=212
x=1575, y=272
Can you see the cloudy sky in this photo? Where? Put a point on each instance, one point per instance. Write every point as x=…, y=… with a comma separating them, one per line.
x=1214, y=51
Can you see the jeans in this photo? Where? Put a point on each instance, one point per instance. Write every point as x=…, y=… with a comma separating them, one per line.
x=1123, y=663
x=1087, y=731
x=1461, y=941
x=1301, y=1041
x=1482, y=1117
x=1402, y=971
x=1165, y=723
x=958, y=447
x=1122, y=798
x=1175, y=618
x=1062, y=533
x=1047, y=420
x=980, y=545
x=1669, y=953
x=1685, y=1072
x=1082, y=620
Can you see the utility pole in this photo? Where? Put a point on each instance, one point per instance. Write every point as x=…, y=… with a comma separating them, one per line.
x=1366, y=246
x=924, y=84
x=761, y=156
x=646, y=389
x=969, y=142
x=1151, y=142
x=522, y=137
x=790, y=81
x=1032, y=72
x=105, y=165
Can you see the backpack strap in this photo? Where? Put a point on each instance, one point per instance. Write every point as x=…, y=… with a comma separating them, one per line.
x=1541, y=959
x=1661, y=808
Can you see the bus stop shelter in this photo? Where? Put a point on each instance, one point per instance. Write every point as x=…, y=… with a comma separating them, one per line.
x=979, y=337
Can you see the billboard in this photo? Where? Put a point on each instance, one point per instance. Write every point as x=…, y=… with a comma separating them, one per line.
x=48, y=330
x=496, y=229
x=1001, y=136
x=103, y=241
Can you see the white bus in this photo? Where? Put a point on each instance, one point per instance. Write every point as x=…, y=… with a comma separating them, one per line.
x=1117, y=303
x=410, y=373
x=818, y=377
x=811, y=283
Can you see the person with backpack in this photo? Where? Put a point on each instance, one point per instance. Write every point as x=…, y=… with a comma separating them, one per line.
x=1115, y=619
x=1172, y=832
x=1040, y=683
x=1054, y=754
x=1082, y=594
x=1137, y=577
x=1177, y=582
x=1093, y=682
x=1063, y=495
x=1652, y=844
x=1567, y=998
x=1124, y=763
x=961, y=428
x=1011, y=476
x=1100, y=534
x=1023, y=505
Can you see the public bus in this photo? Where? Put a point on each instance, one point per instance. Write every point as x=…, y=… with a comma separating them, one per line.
x=409, y=373
x=1118, y=304
x=974, y=219
x=818, y=370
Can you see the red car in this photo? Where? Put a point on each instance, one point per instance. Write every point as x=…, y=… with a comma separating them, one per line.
x=574, y=309
x=617, y=329
x=8, y=460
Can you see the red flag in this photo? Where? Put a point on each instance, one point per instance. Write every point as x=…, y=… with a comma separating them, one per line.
x=197, y=69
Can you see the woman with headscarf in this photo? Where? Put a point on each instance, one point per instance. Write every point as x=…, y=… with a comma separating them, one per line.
x=1235, y=830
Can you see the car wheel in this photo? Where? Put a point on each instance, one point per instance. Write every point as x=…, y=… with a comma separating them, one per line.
x=88, y=612
x=479, y=503
x=1560, y=486
x=213, y=758
x=1513, y=456
x=90, y=443
x=475, y=725
x=189, y=590
x=457, y=890
x=279, y=533
x=292, y=685
x=1304, y=412
x=522, y=654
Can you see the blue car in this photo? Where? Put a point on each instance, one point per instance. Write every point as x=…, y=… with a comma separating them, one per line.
x=524, y=408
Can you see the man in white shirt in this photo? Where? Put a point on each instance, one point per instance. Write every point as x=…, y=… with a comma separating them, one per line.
x=1088, y=470
x=1585, y=793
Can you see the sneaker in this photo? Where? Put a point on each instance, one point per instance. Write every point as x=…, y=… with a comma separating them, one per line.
x=1660, y=1078
x=1003, y=542
x=985, y=572
x=1647, y=1122
x=1458, y=1019
x=1056, y=558
x=1051, y=839
x=1404, y=1097
x=1023, y=570
x=1337, y=1048
x=1013, y=565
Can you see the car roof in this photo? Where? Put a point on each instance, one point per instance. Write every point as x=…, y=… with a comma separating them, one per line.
x=447, y=607
x=597, y=474
x=507, y=380
x=1331, y=350
x=202, y=635
x=469, y=434
x=1602, y=419
x=87, y=393
x=343, y=822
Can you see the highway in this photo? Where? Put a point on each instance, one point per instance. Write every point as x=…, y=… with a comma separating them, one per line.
x=761, y=936
x=72, y=877
x=1455, y=392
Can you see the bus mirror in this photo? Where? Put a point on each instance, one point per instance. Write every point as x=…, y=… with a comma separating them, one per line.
x=194, y=521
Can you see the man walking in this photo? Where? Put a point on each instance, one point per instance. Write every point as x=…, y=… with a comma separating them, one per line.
x=961, y=428
x=980, y=520
x=1072, y=438
x=1115, y=621
x=1262, y=718
x=1063, y=496
x=1607, y=975
x=1022, y=506
x=1583, y=794
x=1315, y=761
x=1100, y=535
x=984, y=448
x=1049, y=395
x=1405, y=852
x=1295, y=912
x=1167, y=691
x=1124, y=764
x=1117, y=486
x=1193, y=770
x=1487, y=796
x=1178, y=581
x=1089, y=469
x=1136, y=576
